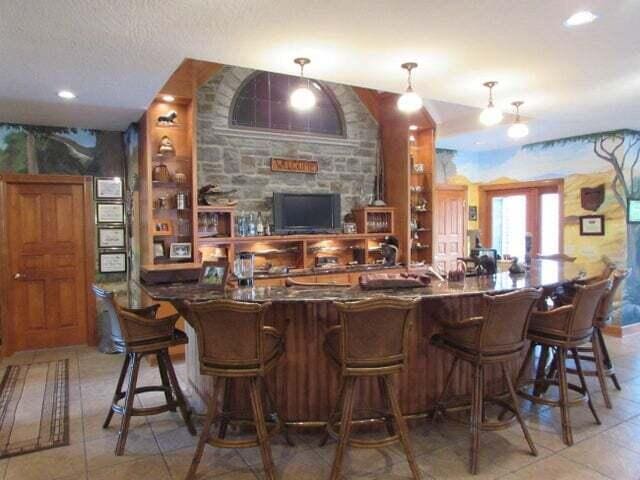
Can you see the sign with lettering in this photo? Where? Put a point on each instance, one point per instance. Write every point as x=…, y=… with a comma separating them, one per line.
x=293, y=166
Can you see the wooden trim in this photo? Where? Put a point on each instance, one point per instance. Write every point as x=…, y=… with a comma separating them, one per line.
x=520, y=185
x=621, y=330
x=444, y=186
x=89, y=248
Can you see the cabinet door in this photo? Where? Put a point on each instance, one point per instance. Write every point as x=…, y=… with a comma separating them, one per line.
x=269, y=282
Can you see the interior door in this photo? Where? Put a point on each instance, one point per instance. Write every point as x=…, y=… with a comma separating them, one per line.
x=451, y=214
x=47, y=289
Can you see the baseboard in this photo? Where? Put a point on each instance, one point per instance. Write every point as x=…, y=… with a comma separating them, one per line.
x=622, y=330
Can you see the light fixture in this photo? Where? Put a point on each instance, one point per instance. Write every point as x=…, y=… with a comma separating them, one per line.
x=412, y=139
x=409, y=101
x=302, y=98
x=490, y=115
x=66, y=94
x=519, y=129
x=413, y=128
x=168, y=98
x=580, y=18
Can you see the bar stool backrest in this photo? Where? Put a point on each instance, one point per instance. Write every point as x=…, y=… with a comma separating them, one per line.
x=375, y=333
x=506, y=320
x=606, y=304
x=230, y=337
x=138, y=329
x=586, y=304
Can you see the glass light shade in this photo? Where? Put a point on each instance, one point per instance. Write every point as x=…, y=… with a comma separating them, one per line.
x=302, y=99
x=491, y=116
x=409, y=102
x=580, y=18
x=518, y=130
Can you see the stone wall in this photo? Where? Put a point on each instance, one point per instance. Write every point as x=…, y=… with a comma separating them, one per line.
x=240, y=158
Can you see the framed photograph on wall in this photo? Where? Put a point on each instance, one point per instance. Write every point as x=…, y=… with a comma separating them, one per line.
x=214, y=274
x=108, y=188
x=180, y=251
x=111, y=237
x=592, y=225
x=473, y=213
x=110, y=213
x=112, y=262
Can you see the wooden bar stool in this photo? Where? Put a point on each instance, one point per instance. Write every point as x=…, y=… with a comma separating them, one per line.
x=234, y=343
x=563, y=329
x=495, y=338
x=142, y=334
x=370, y=341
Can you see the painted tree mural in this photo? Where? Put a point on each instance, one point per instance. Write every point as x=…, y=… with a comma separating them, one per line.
x=445, y=164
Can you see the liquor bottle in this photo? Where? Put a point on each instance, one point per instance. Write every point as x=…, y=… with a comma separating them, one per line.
x=251, y=226
x=259, y=225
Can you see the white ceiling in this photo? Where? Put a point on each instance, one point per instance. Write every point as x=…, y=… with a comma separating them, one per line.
x=116, y=55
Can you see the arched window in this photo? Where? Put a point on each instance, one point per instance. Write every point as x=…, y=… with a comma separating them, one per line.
x=262, y=102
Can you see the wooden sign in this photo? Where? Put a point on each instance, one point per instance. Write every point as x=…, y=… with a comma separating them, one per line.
x=293, y=166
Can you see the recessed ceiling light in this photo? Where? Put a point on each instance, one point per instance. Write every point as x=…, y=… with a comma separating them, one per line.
x=479, y=142
x=168, y=98
x=413, y=128
x=580, y=18
x=66, y=94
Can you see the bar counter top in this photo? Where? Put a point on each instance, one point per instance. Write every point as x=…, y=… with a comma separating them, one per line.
x=543, y=273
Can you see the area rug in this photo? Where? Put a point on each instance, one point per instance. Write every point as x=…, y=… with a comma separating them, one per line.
x=34, y=407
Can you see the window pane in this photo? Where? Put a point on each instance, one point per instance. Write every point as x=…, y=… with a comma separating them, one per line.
x=550, y=224
x=508, y=229
x=243, y=113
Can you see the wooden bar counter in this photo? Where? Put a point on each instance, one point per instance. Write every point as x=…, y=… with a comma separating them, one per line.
x=305, y=382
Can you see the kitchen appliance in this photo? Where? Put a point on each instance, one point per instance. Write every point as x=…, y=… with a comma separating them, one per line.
x=243, y=268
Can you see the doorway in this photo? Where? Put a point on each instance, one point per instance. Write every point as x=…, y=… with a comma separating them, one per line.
x=451, y=226
x=47, y=261
x=508, y=213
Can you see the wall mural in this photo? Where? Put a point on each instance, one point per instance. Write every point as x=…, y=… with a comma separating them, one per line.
x=588, y=161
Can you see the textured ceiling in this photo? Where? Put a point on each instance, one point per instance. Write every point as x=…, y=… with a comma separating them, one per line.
x=116, y=54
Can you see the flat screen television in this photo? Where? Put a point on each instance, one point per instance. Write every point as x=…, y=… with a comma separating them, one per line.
x=306, y=213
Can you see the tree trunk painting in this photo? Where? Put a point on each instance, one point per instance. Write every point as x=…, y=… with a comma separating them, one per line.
x=32, y=153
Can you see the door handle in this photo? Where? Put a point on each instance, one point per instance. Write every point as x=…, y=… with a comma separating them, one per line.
x=18, y=276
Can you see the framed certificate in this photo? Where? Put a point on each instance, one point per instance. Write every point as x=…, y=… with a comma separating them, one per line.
x=110, y=213
x=112, y=262
x=111, y=237
x=592, y=225
x=108, y=188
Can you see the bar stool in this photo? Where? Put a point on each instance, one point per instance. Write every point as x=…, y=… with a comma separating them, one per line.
x=564, y=329
x=142, y=334
x=495, y=338
x=234, y=343
x=597, y=351
x=370, y=341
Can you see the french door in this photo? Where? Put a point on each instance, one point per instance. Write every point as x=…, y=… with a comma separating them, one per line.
x=510, y=213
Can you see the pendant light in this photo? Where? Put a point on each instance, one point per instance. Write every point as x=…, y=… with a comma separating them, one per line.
x=518, y=129
x=302, y=98
x=409, y=101
x=491, y=115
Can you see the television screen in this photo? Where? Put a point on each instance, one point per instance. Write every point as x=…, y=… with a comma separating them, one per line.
x=306, y=212
x=633, y=210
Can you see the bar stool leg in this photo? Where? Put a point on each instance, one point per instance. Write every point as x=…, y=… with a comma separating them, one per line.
x=389, y=414
x=583, y=383
x=263, y=439
x=599, y=361
x=607, y=358
x=567, y=435
x=118, y=394
x=514, y=399
x=521, y=374
x=204, y=435
x=345, y=427
x=177, y=391
x=165, y=382
x=226, y=405
x=403, y=431
x=128, y=407
x=443, y=394
x=334, y=413
x=476, y=416
x=540, y=372
x=273, y=408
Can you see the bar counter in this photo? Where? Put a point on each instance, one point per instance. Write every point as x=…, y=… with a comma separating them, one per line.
x=305, y=382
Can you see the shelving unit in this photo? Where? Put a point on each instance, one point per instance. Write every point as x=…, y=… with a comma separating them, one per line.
x=421, y=195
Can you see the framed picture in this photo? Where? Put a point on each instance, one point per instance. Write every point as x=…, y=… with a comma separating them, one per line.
x=473, y=213
x=592, y=225
x=111, y=237
x=214, y=274
x=162, y=228
x=112, y=262
x=158, y=249
x=110, y=212
x=108, y=188
x=633, y=210
x=180, y=251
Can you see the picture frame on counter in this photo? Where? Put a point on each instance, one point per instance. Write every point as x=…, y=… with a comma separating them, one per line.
x=162, y=228
x=109, y=212
x=111, y=237
x=592, y=225
x=214, y=274
x=108, y=188
x=158, y=250
x=180, y=251
x=112, y=262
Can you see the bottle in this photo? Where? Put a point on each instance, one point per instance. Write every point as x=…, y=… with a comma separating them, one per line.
x=251, y=227
x=259, y=225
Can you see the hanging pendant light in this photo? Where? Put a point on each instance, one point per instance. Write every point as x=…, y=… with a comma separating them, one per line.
x=491, y=115
x=302, y=98
x=409, y=101
x=519, y=129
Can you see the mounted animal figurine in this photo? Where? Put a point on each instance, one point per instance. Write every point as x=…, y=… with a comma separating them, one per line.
x=516, y=267
x=389, y=250
x=168, y=119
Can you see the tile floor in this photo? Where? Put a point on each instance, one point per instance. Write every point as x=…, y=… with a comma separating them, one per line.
x=160, y=447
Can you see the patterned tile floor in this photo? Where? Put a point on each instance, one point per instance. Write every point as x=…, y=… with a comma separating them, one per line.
x=160, y=447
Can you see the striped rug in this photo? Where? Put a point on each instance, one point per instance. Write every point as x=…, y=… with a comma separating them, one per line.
x=34, y=407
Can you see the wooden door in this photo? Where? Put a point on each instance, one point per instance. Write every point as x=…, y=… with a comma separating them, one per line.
x=45, y=263
x=450, y=227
